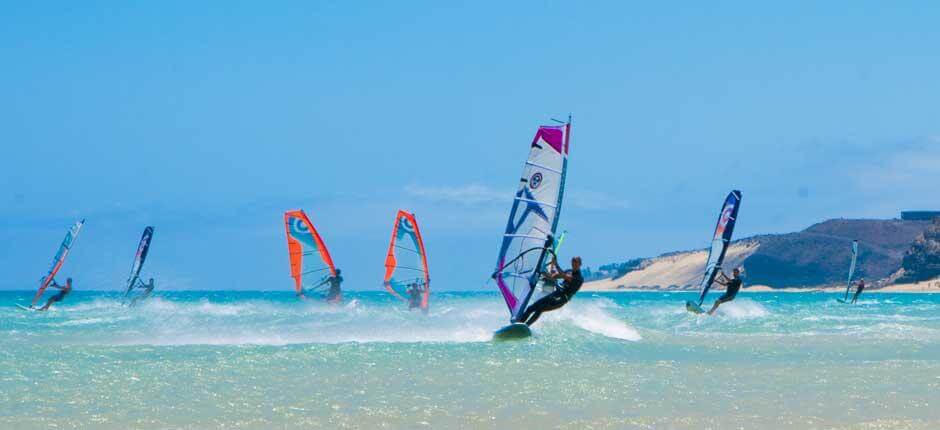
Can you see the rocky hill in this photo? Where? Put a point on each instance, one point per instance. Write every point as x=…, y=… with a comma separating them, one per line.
x=816, y=256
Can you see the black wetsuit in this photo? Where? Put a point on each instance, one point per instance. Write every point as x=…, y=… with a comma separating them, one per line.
x=733, y=287
x=861, y=287
x=414, y=297
x=335, y=292
x=59, y=296
x=555, y=300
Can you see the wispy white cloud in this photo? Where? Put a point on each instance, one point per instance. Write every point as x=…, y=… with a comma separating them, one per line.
x=464, y=194
x=476, y=194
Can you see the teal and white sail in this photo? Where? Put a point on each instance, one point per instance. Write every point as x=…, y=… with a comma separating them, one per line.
x=848, y=283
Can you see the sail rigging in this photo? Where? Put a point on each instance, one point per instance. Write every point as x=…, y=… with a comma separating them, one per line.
x=59, y=259
x=310, y=261
x=848, y=283
x=143, y=248
x=528, y=240
x=720, y=241
x=406, y=264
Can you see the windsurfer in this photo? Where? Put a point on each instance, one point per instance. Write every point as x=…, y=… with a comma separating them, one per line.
x=858, y=291
x=335, y=294
x=148, y=288
x=572, y=281
x=415, y=290
x=64, y=290
x=732, y=285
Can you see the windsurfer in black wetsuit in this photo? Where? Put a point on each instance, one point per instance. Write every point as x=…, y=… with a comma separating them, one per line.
x=572, y=281
x=335, y=293
x=64, y=290
x=148, y=288
x=415, y=291
x=733, y=285
x=858, y=291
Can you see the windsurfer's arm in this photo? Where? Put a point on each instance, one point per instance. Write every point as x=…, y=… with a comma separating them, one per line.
x=722, y=278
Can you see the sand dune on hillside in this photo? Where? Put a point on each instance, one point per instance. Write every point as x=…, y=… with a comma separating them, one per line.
x=675, y=271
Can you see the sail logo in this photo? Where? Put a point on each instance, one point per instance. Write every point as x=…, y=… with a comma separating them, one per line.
x=724, y=220
x=406, y=228
x=535, y=180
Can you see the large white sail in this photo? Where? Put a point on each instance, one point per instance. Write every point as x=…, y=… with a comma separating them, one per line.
x=533, y=218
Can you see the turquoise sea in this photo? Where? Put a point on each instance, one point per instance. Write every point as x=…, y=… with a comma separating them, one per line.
x=262, y=360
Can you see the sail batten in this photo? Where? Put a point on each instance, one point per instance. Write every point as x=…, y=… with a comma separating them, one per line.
x=533, y=218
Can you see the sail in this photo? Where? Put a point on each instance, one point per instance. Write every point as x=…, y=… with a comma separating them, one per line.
x=527, y=240
x=720, y=241
x=142, y=249
x=59, y=259
x=848, y=283
x=310, y=261
x=407, y=262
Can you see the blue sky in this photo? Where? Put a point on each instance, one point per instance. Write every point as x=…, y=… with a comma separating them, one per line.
x=209, y=119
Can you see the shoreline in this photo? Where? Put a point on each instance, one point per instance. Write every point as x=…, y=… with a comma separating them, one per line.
x=926, y=287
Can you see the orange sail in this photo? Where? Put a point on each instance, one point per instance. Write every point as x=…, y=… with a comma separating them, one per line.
x=406, y=265
x=310, y=261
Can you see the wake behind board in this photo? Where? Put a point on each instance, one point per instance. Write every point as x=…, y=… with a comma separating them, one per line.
x=513, y=331
x=694, y=307
x=26, y=308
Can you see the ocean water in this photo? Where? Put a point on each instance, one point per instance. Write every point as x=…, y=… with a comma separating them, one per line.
x=262, y=360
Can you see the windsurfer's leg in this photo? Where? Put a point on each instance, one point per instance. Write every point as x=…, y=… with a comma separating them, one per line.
x=722, y=299
x=545, y=304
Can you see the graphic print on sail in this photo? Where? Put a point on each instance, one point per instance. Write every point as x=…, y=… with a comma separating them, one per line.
x=58, y=260
x=310, y=261
x=720, y=241
x=406, y=264
x=142, y=249
x=529, y=235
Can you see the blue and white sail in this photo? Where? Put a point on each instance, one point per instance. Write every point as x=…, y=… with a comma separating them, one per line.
x=720, y=241
x=848, y=283
x=526, y=243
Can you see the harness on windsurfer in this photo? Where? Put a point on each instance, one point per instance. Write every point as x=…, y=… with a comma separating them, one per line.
x=733, y=285
x=64, y=290
x=858, y=291
x=335, y=293
x=572, y=281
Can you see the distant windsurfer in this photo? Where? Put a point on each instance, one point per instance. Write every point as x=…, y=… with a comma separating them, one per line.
x=571, y=283
x=335, y=293
x=732, y=285
x=415, y=293
x=860, y=287
x=64, y=290
x=148, y=288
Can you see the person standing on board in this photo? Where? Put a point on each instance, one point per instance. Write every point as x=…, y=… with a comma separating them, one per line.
x=858, y=291
x=732, y=285
x=148, y=288
x=415, y=290
x=572, y=281
x=335, y=294
x=64, y=290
